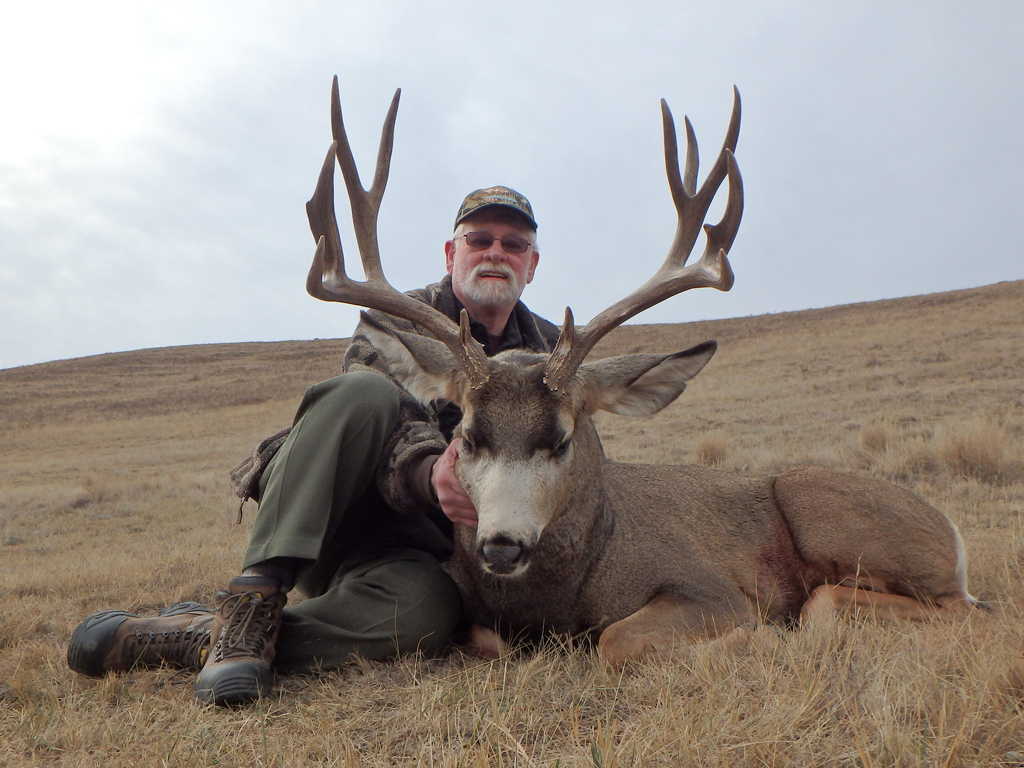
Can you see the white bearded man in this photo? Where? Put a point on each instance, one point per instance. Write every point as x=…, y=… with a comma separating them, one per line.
x=357, y=501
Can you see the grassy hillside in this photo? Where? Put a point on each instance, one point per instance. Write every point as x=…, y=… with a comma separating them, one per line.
x=113, y=472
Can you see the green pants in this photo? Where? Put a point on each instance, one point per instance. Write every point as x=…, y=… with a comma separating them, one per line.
x=372, y=577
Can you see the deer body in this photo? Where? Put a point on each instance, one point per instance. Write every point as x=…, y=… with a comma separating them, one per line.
x=647, y=556
x=595, y=566
x=694, y=551
x=728, y=543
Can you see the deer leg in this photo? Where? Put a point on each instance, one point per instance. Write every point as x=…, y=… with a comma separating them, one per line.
x=869, y=531
x=666, y=622
x=829, y=599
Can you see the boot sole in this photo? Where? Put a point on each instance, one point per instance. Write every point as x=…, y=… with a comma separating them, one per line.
x=239, y=683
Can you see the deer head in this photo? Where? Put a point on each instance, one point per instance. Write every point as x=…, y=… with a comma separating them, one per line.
x=529, y=451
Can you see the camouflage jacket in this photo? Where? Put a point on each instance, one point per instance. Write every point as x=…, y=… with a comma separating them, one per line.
x=422, y=431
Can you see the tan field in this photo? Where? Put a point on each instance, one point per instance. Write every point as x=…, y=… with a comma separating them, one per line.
x=113, y=471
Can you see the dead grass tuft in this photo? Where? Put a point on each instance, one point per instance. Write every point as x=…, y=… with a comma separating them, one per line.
x=980, y=450
x=710, y=451
x=876, y=438
x=911, y=458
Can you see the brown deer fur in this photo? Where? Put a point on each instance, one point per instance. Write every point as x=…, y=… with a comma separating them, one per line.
x=650, y=555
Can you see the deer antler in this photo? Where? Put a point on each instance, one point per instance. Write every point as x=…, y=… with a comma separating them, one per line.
x=711, y=271
x=328, y=280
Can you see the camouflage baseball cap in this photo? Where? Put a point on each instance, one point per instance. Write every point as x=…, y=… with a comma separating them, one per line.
x=495, y=196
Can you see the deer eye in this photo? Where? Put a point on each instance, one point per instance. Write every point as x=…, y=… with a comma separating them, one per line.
x=562, y=449
x=474, y=441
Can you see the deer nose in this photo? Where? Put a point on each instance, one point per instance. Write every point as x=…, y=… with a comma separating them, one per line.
x=502, y=555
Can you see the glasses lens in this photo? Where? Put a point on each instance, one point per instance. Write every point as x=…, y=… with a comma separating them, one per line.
x=515, y=244
x=511, y=244
x=479, y=240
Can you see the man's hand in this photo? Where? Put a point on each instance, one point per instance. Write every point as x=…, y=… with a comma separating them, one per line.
x=454, y=502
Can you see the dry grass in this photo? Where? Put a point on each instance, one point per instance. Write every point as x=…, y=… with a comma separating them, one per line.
x=114, y=493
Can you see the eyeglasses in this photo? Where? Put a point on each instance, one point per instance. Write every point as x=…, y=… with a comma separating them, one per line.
x=481, y=240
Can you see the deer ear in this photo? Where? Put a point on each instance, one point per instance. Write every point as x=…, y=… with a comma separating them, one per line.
x=424, y=365
x=641, y=384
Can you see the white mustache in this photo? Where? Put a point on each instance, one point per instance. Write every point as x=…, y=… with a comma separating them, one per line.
x=493, y=268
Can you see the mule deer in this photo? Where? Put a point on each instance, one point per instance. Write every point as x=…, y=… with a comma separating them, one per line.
x=647, y=556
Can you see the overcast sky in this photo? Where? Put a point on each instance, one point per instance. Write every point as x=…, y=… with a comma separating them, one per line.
x=155, y=158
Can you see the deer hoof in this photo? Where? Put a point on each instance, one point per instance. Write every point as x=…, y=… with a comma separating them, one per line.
x=617, y=647
x=486, y=642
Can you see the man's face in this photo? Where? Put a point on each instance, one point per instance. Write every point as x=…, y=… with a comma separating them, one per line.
x=490, y=276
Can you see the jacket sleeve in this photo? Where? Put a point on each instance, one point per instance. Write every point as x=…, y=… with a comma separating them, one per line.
x=403, y=477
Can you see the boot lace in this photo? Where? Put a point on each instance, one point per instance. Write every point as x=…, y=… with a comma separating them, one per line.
x=183, y=647
x=249, y=622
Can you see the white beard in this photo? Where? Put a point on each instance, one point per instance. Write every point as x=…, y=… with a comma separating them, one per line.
x=487, y=291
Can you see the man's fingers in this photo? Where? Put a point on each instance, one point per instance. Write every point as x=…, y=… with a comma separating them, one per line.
x=460, y=512
x=454, y=501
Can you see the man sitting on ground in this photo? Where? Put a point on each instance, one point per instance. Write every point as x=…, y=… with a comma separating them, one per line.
x=356, y=501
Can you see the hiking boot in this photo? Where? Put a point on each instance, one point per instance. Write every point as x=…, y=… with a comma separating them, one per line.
x=116, y=641
x=246, y=625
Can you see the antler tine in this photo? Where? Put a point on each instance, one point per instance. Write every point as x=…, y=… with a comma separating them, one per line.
x=365, y=203
x=673, y=277
x=682, y=187
x=329, y=260
x=328, y=279
x=692, y=206
x=721, y=235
